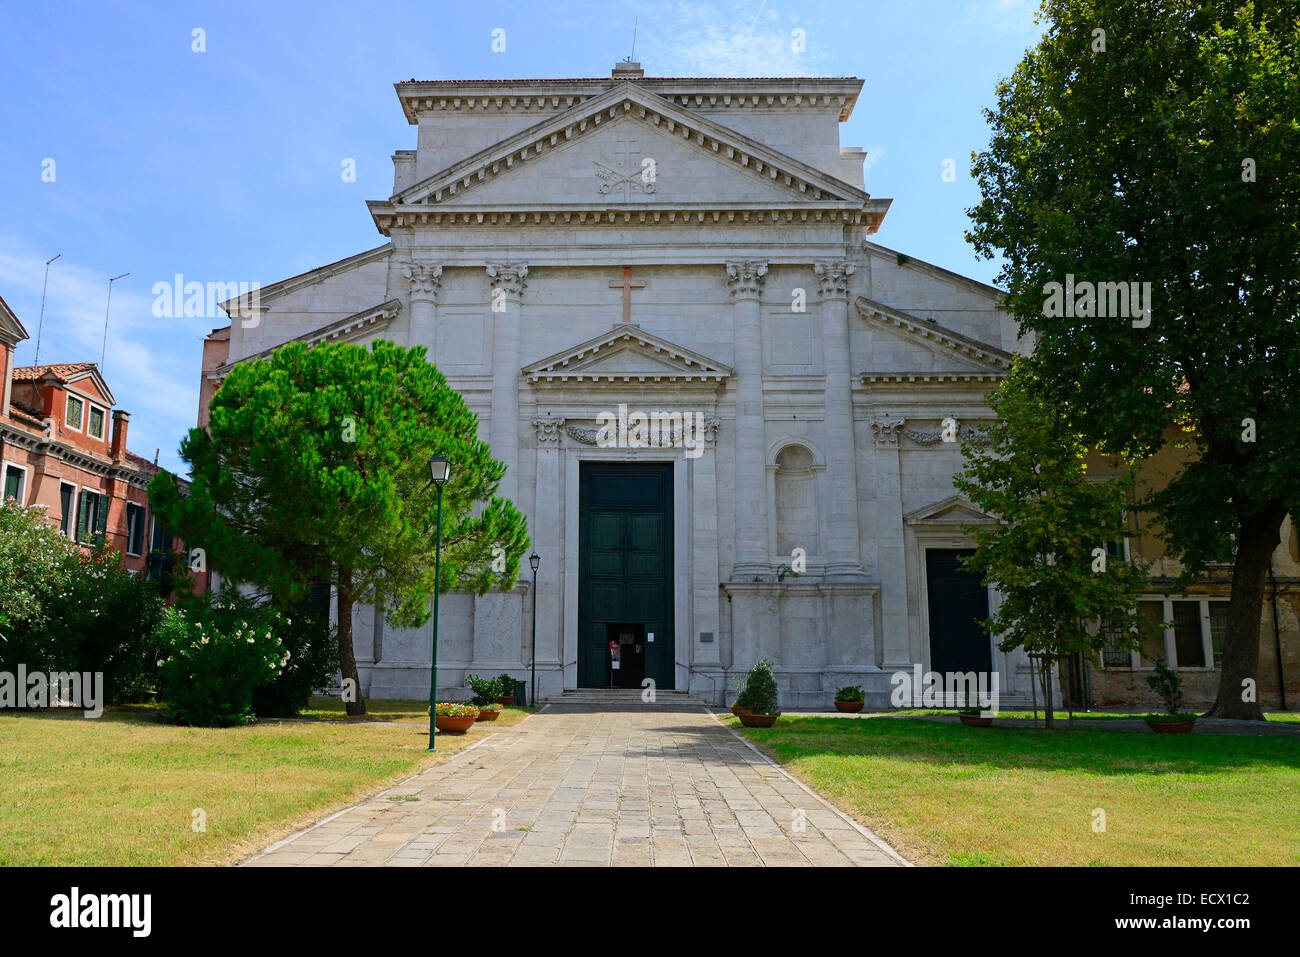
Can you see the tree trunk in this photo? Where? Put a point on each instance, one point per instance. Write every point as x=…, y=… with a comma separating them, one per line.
x=1046, y=673
x=347, y=659
x=1258, y=535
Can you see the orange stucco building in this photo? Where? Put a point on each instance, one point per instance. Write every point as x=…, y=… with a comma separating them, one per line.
x=63, y=447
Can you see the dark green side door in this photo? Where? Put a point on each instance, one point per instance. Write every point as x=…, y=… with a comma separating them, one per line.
x=958, y=603
x=625, y=557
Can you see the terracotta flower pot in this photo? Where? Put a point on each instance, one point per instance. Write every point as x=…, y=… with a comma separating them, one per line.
x=757, y=720
x=488, y=714
x=851, y=707
x=1171, y=727
x=739, y=709
x=454, y=725
x=506, y=699
x=975, y=721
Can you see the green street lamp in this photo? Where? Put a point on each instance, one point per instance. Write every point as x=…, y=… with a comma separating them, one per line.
x=439, y=473
x=534, y=560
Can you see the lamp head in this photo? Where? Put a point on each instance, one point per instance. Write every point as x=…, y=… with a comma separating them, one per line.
x=439, y=470
x=534, y=560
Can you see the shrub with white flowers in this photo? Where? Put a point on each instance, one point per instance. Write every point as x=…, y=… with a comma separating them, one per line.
x=209, y=674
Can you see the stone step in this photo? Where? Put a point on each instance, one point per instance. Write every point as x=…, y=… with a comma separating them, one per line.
x=617, y=697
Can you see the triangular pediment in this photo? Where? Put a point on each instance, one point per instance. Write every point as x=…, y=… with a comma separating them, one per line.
x=11, y=330
x=654, y=117
x=960, y=354
x=953, y=510
x=626, y=353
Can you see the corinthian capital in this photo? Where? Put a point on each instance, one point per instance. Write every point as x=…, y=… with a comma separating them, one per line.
x=745, y=278
x=508, y=279
x=424, y=279
x=833, y=278
x=549, y=429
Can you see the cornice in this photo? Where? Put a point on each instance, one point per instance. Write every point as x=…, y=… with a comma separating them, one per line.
x=867, y=216
x=38, y=444
x=549, y=95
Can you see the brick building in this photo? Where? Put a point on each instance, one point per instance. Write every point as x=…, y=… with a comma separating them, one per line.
x=63, y=446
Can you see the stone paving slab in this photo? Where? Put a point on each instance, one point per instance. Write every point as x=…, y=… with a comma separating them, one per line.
x=584, y=787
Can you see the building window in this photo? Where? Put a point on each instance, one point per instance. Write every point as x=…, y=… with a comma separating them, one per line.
x=1153, y=645
x=15, y=482
x=76, y=408
x=1114, y=653
x=92, y=523
x=1218, y=629
x=1189, y=651
x=1194, y=630
x=134, y=528
x=67, y=508
x=96, y=424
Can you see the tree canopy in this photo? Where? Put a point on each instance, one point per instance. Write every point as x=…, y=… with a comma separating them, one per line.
x=1052, y=555
x=314, y=470
x=1154, y=143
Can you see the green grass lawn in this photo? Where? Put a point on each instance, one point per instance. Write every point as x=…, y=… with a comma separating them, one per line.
x=1282, y=717
x=946, y=794
x=121, y=790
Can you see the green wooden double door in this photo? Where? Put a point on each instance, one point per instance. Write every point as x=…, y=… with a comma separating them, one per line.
x=625, y=558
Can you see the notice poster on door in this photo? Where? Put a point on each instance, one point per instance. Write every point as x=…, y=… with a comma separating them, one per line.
x=613, y=655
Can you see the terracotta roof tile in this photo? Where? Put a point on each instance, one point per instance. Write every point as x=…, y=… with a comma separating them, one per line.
x=61, y=371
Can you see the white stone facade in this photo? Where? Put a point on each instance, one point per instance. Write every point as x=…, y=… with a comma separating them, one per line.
x=822, y=364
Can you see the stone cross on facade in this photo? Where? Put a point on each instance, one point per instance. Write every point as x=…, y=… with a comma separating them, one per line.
x=627, y=284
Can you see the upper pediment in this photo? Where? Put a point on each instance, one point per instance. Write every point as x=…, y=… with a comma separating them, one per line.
x=626, y=353
x=600, y=146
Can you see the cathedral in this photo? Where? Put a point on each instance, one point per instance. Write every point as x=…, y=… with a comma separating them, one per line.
x=731, y=418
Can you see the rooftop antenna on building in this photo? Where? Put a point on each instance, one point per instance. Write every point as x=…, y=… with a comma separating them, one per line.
x=41, y=322
x=632, y=58
x=104, y=350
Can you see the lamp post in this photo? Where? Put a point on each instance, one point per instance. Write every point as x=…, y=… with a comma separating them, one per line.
x=534, y=560
x=439, y=473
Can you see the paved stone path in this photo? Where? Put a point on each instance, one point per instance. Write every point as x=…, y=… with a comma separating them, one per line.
x=573, y=786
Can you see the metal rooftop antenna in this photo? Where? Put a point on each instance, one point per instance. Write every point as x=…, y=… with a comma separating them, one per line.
x=632, y=58
x=41, y=323
x=104, y=349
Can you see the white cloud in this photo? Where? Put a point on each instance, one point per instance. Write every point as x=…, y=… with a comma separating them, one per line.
x=1006, y=16
x=147, y=360
x=728, y=38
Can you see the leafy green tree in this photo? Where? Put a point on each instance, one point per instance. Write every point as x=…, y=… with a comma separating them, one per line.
x=314, y=469
x=1144, y=142
x=1047, y=554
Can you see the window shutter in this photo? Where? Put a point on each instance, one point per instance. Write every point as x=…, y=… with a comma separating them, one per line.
x=101, y=519
x=83, y=515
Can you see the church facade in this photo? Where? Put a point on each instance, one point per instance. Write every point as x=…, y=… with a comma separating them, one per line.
x=728, y=414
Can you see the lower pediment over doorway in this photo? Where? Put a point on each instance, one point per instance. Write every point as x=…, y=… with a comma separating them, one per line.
x=627, y=355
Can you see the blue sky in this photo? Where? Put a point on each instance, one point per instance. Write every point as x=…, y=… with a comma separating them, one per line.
x=225, y=165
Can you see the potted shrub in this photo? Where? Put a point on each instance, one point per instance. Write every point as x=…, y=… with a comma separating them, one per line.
x=486, y=691
x=454, y=717
x=850, y=699
x=759, y=697
x=972, y=715
x=506, y=689
x=1167, y=683
x=739, y=707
